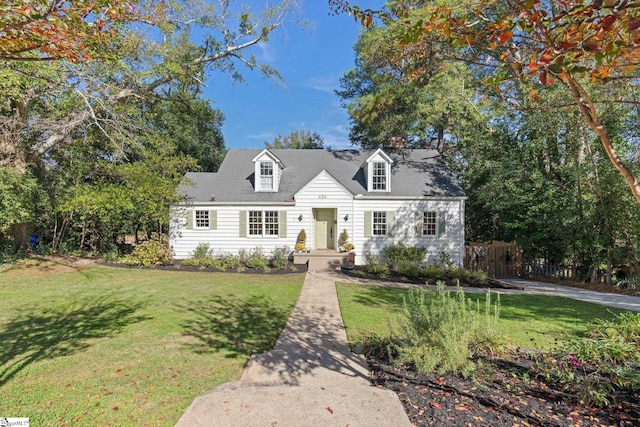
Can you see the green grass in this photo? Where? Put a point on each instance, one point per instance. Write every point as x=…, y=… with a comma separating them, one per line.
x=113, y=346
x=530, y=321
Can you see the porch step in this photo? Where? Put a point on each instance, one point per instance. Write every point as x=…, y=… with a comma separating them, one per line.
x=321, y=260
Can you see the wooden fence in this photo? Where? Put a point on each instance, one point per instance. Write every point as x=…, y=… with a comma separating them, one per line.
x=541, y=268
x=497, y=259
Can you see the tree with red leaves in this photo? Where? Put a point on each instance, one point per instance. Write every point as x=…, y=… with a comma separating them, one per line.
x=512, y=42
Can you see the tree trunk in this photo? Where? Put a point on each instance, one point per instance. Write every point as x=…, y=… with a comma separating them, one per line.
x=588, y=110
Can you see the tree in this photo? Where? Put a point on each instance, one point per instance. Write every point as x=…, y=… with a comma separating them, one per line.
x=297, y=139
x=517, y=42
x=193, y=125
x=48, y=104
x=388, y=105
x=107, y=139
x=78, y=30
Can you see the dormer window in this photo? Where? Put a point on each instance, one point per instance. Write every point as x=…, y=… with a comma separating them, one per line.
x=379, y=178
x=268, y=171
x=266, y=176
x=378, y=172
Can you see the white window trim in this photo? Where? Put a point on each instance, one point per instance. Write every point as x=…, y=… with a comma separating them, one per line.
x=387, y=172
x=260, y=175
x=436, y=217
x=263, y=224
x=195, y=219
x=373, y=223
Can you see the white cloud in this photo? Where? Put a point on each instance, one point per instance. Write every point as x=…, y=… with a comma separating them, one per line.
x=323, y=83
x=264, y=136
x=268, y=53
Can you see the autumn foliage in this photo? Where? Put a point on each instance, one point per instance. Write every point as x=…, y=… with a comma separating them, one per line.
x=573, y=42
x=75, y=30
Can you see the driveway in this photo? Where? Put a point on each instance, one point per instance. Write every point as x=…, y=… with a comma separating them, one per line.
x=541, y=288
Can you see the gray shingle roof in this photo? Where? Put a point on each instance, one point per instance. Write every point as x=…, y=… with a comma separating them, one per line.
x=414, y=173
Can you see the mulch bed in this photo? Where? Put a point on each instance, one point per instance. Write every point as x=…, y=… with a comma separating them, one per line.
x=361, y=272
x=512, y=396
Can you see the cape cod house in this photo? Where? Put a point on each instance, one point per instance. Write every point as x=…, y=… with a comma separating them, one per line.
x=264, y=198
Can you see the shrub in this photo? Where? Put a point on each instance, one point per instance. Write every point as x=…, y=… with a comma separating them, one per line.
x=445, y=261
x=257, y=260
x=280, y=257
x=442, y=333
x=383, y=346
x=201, y=251
x=479, y=275
x=302, y=236
x=229, y=262
x=380, y=270
x=408, y=269
x=592, y=368
x=399, y=252
x=149, y=253
x=458, y=273
x=357, y=273
x=432, y=272
x=344, y=236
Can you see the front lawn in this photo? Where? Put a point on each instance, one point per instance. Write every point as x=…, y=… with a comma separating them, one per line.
x=114, y=346
x=594, y=382
x=529, y=321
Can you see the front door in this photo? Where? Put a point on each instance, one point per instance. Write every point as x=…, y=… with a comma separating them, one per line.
x=324, y=228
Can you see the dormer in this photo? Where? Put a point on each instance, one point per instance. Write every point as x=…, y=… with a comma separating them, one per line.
x=268, y=170
x=377, y=169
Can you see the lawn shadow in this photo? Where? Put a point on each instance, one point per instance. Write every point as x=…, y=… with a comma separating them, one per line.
x=46, y=333
x=378, y=296
x=234, y=326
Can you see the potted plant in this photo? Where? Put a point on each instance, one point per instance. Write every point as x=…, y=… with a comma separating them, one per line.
x=301, y=242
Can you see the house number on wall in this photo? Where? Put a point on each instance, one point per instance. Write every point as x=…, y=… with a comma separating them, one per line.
x=322, y=196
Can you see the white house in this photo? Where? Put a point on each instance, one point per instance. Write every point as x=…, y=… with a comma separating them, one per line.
x=263, y=198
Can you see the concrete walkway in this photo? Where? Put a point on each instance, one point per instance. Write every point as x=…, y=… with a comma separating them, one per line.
x=309, y=378
x=626, y=302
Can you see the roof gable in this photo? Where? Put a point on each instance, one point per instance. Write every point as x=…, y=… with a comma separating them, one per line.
x=379, y=156
x=267, y=155
x=324, y=174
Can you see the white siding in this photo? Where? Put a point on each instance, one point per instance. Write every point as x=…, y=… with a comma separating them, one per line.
x=324, y=193
x=226, y=238
x=451, y=242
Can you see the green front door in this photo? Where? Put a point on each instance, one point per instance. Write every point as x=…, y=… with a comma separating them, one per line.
x=324, y=228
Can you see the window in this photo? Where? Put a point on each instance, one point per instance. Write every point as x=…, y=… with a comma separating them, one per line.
x=263, y=223
x=379, y=223
x=429, y=224
x=266, y=175
x=379, y=176
x=271, y=223
x=255, y=223
x=202, y=219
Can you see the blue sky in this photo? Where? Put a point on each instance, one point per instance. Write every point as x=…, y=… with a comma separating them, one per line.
x=311, y=61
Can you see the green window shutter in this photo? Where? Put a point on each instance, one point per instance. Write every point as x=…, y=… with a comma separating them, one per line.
x=441, y=223
x=189, y=217
x=368, y=232
x=282, y=226
x=391, y=223
x=418, y=223
x=213, y=220
x=243, y=223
